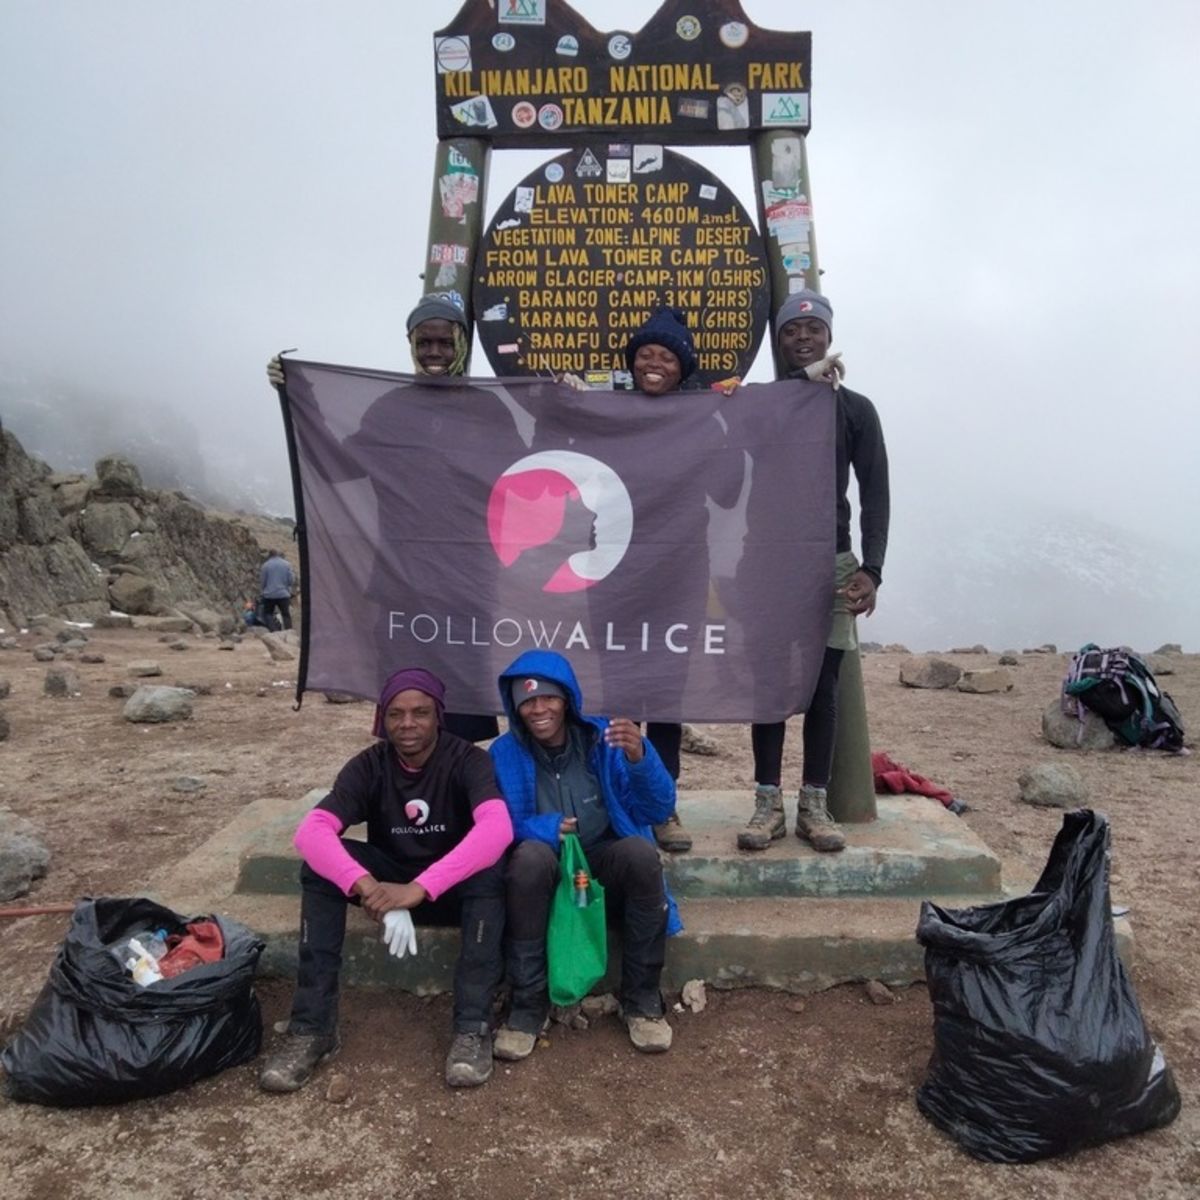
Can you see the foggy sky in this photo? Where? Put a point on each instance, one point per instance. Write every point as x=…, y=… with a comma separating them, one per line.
x=1004, y=201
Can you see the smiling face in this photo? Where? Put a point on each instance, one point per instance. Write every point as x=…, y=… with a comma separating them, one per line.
x=546, y=719
x=411, y=724
x=803, y=342
x=656, y=370
x=433, y=346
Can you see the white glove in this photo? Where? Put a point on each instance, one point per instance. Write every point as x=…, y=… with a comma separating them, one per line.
x=574, y=382
x=275, y=372
x=398, y=933
x=829, y=370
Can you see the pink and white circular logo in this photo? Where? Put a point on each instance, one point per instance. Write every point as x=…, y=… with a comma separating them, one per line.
x=417, y=811
x=566, y=517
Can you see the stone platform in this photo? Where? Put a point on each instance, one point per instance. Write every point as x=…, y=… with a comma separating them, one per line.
x=786, y=917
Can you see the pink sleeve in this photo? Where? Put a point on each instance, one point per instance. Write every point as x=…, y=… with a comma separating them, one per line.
x=320, y=846
x=485, y=842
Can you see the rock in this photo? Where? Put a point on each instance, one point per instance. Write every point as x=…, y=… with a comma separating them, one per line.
x=105, y=528
x=117, y=476
x=144, y=668
x=188, y=784
x=122, y=691
x=45, y=653
x=570, y=1015
x=692, y=741
x=226, y=644
x=978, y=648
x=261, y=692
x=595, y=1007
x=796, y=1006
x=880, y=993
x=1052, y=785
x=5, y=689
x=75, y=644
x=1068, y=732
x=206, y=619
x=1045, y=648
x=135, y=593
x=338, y=1091
x=336, y=697
x=870, y=647
x=154, y=705
x=896, y=648
x=275, y=648
x=9, y=643
x=929, y=673
x=200, y=689
x=178, y=645
x=1170, y=648
x=4, y=728
x=1160, y=664
x=168, y=624
x=1010, y=658
x=91, y=659
x=693, y=995
x=23, y=855
x=990, y=679
x=114, y=621
x=64, y=636
x=61, y=681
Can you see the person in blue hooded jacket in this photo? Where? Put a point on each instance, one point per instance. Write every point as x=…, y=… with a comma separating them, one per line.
x=561, y=772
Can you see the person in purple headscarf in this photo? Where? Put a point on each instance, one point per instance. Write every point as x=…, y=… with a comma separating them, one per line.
x=437, y=831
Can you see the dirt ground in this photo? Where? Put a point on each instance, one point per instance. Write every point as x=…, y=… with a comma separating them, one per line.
x=762, y=1095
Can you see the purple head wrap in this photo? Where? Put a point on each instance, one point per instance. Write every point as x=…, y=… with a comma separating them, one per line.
x=402, y=680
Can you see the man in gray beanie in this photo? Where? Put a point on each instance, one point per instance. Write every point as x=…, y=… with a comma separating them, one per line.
x=803, y=331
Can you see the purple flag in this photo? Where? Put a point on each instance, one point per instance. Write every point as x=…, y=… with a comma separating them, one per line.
x=679, y=549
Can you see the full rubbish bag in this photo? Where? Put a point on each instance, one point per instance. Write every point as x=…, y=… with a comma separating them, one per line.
x=576, y=936
x=95, y=1036
x=1039, y=1043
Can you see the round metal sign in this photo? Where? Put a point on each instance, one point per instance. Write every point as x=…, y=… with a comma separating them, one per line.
x=567, y=270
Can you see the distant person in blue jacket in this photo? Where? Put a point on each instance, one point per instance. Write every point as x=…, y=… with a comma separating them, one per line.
x=275, y=585
x=561, y=772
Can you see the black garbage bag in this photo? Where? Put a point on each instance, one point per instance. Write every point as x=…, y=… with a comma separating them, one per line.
x=1039, y=1044
x=94, y=1036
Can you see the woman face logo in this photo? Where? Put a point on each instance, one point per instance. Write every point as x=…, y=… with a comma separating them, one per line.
x=565, y=517
x=417, y=811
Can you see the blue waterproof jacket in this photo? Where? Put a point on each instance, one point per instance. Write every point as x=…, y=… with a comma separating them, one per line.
x=637, y=795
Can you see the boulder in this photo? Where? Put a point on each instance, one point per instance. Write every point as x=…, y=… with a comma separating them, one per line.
x=91, y=659
x=23, y=855
x=1068, y=732
x=896, y=648
x=114, y=620
x=104, y=528
x=1052, y=785
x=275, y=647
x=61, y=681
x=117, y=476
x=176, y=624
x=1010, y=658
x=929, y=673
x=153, y=705
x=870, y=647
x=133, y=593
x=1045, y=648
x=989, y=679
x=1170, y=648
x=207, y=620
x=978, y=648
x=1160, y=664
x=144, y=668
x=69, y=495
x=122, y=691
x=38, y=521
x=45, y=653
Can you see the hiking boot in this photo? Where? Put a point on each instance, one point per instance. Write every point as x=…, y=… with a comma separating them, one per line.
x=469, y=1062
x=650, y=1035
x=692, y=741
x=672, y=836
x=512, y=1045
x=767, y=822
x=293, y=1064
x=813, y=822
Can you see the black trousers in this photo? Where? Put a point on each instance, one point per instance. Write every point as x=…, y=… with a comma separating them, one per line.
x=634, y=894
x=666, y=738
x=268, y=605
x=820, y=731
x=476, y=905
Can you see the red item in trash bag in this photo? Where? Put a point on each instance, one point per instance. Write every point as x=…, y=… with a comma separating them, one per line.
x=201, y=944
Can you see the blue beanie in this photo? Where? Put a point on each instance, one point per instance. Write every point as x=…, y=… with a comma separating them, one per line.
x=805, y=304
x=666, y=327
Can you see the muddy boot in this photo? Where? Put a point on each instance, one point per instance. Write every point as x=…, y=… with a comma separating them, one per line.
x=813, y=822
x=672, y=836
x=767, y=822
x=530, y=1008
x=290, y=1067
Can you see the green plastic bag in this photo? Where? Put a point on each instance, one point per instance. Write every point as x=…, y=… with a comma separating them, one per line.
x=577, y=937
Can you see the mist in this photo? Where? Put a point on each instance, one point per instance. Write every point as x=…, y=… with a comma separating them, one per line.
x=1002, y=198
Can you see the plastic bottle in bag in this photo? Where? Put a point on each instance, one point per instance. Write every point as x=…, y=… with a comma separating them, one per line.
x=139, y=954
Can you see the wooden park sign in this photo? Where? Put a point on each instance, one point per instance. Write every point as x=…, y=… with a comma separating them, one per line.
x=616, y=223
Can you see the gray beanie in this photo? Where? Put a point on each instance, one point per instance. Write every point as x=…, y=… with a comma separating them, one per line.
x=528, y=686
x=436, y=308
x=805, y=304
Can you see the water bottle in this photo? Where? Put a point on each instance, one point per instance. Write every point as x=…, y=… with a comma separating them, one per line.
x=581, y=889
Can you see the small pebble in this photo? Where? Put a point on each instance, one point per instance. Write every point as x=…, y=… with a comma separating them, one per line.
x=338, y=1091
x=880, y=993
